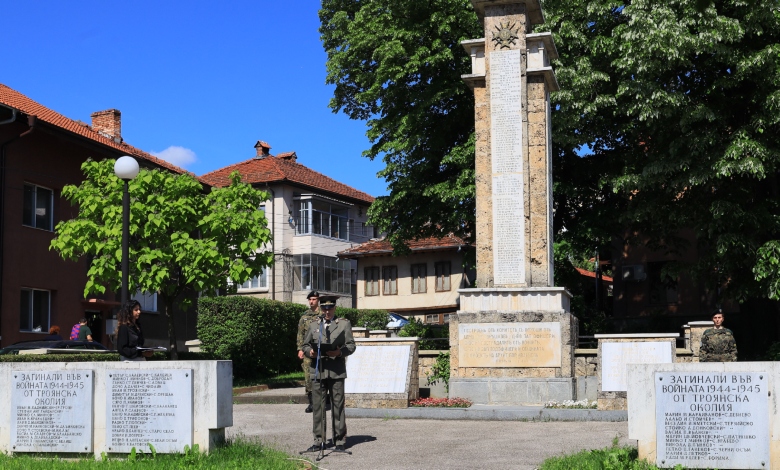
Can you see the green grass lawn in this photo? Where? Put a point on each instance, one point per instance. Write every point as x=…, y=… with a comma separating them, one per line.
x=611, y=458
x=239, y=454
x=281, y=379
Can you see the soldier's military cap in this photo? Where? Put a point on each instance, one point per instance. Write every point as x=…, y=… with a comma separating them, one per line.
x=313, y=293
x=328, y=301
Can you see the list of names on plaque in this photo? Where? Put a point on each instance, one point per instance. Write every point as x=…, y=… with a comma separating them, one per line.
x=506, y=142
x=51, y=411
x=509, y=344
x=378, y=369
x=149, y=406
x=712, y=419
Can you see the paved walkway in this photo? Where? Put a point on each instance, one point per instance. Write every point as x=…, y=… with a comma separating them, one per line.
x=392, y=443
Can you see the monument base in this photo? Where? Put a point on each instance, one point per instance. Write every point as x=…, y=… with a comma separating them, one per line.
x=510, y=391
x=513, y=346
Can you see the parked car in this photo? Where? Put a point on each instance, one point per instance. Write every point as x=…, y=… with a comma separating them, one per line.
x=59, y=344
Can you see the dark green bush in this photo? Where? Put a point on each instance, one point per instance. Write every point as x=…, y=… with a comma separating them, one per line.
x=436, y=338
x=365, y=318
x=258, y=335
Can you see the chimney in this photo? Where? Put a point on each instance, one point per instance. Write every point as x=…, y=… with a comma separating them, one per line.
x=263, y=149
x=108, y=123
x=291, y=156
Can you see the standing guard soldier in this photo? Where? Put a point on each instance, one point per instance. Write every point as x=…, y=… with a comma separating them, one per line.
x=303, y=326
x=717, y=344
x=328, y=342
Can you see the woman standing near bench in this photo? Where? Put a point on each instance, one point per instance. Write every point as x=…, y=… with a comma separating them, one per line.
x=129, y=336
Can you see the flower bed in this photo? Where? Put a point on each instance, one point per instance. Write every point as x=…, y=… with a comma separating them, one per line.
x=441, y=402
x=571, y=404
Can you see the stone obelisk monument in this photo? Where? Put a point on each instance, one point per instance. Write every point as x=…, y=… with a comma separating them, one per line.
x=513, y=339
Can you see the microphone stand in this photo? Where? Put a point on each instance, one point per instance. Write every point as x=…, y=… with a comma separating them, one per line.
x=318, y=379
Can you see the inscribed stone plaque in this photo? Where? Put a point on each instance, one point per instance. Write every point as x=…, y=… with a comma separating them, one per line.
x=506, y=148
x=615, y=356
x=712, y=419
x=378, y=369
x=152, y=406
x=51, y=411
x=509, y=344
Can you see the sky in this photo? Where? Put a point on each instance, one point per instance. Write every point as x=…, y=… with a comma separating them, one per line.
x=198, y=82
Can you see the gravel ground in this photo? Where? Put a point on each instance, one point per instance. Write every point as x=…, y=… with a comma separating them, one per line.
x=427, y=444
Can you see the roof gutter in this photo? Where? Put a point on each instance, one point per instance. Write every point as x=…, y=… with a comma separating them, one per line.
x=31, y=122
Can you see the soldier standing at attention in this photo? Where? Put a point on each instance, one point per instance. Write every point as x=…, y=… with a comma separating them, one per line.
x=717, y=344
x=303, y=327
x=333, y=337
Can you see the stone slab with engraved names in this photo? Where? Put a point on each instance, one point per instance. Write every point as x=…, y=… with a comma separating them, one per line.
x=378, y=369
x=51, y=411
x=149, y=407
x=712, y=419
x=615, y=356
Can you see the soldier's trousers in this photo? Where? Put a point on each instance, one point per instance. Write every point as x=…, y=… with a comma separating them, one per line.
x=306, y=364
x=335, y=387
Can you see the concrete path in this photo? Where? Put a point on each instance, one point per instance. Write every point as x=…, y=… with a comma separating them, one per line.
x=390, y=443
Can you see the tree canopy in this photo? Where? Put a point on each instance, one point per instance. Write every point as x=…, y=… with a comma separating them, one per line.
x=397, y=65
x=183, y=240
x=667, y=120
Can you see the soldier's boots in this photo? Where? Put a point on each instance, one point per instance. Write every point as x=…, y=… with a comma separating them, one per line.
x=309, y=409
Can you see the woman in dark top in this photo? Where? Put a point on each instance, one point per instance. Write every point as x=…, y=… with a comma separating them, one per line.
x=54, y=334
x=129, y=336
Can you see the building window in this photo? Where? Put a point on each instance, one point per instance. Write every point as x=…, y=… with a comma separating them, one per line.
x=433, y=318
x=38, y=204
x=258, y=282
x=315, y=217
x=419, y=272
x=446, y=318
x=35, y=310
x=390, y=280
x=318, y=272
x=148, y=300
x=372, y=281
x=443, y=269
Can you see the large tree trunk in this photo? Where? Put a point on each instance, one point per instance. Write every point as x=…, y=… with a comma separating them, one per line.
x=171, y=328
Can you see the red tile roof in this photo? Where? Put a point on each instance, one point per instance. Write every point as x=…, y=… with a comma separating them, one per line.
x=585, y=272
x=20, y=102
x=383, y=247
x=279, y=169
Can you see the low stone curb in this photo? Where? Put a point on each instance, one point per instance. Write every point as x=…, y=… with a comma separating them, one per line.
x=261, y=399
x=491, y=414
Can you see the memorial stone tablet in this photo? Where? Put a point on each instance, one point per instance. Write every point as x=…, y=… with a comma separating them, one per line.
x=712, y=419
x=149, y=407
x=378, y=369
x=51, y=411
x=615, y=356
x=509, y=344
x=506, y=125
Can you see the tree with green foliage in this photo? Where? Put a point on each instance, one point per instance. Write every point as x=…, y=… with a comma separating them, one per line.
x=183, y=240
x=667, y=120
x=397, y=65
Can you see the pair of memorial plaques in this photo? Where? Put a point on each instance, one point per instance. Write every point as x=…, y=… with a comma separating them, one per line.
x=52, y=410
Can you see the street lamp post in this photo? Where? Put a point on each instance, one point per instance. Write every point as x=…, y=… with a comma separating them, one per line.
x=126, y=168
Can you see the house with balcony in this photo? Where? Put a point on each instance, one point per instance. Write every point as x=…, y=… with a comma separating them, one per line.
x=422, y=284
x=312, y=217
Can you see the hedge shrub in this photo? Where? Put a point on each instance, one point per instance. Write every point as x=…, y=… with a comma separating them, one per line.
x=258, y=335
x=373, y=319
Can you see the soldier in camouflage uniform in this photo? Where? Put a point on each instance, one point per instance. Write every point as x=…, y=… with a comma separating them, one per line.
x=717, y=344
x=303, y=327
